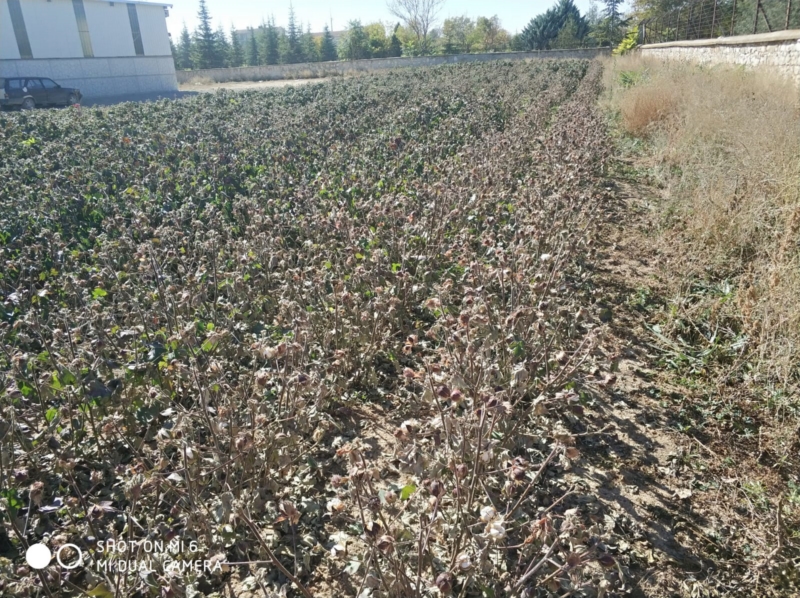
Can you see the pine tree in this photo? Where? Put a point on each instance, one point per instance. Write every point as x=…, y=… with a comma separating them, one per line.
x=613, y=18
x=173, y=49
x=395, y=45
x=309, y=46
x=252, y=48
x=222, y=49
x=355, y=43
x=292, y=52
x=236, y=56
x=270, y=43
x=328, y=46
x=543, y=30
x=612, y=12
x=205, y=41
x=184, y=49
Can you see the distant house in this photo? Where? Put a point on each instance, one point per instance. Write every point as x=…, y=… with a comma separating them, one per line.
x=104, y=48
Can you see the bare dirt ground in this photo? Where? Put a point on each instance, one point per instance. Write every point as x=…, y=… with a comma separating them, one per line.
x=247, y=85
x=684, y=506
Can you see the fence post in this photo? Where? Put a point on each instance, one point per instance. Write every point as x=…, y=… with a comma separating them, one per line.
x=755, y=22
x=689, y=21
x=788, y=11
x=733, y=16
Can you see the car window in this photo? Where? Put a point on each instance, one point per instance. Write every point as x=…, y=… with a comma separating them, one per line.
x=14, y=84
x=34, y=84
x=49, y=84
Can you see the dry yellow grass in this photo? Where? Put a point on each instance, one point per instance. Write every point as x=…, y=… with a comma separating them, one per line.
x=726, y=147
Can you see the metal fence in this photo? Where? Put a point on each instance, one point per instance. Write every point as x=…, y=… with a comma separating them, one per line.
x=706, y=19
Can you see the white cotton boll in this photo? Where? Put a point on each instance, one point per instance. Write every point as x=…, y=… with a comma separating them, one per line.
x=496, y=530
x=488, y=513
x=463, y=562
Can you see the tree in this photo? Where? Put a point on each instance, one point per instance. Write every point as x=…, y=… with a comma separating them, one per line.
x=419, y=17
x=543, y=30
x=184, y=50
x=173, y=49
x=205, y=41
x=518, y=43
x=355, y=42
x=236, y=56
x=252, y=48
x=308, y=46
x=395, y=46
x=269, y=52
x=615, y=28
x=489, y=32
x=458, y=34
x=222, y=49
x=378, y=43
x=567, y=36
x=327, y=48
x=291, y=51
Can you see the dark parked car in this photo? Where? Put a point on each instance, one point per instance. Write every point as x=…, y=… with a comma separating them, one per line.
x=29, y=92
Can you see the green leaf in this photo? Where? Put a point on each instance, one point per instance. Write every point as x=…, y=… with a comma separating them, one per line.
x=14, y=504
x=99, y=293
x=51, y=414
x=100, y=591
x=67, y=379
x=407, y=491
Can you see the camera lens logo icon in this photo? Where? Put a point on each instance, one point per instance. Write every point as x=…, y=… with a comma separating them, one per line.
x=38, y=556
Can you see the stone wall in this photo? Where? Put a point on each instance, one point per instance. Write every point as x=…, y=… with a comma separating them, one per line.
x=101, y=77
x=778, y=51
x=311, y=70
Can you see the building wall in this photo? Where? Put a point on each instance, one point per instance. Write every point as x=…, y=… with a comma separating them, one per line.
x=101, y=77
x=110, y=29
x=113, y=70
x=325, y=69
x=778, y=52
x=8, y=41
x=52, y=29
x=154, y=30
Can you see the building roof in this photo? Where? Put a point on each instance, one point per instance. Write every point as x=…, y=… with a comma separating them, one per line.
x=164, y=4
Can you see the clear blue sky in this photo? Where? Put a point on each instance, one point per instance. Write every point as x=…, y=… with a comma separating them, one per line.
x=514, y=14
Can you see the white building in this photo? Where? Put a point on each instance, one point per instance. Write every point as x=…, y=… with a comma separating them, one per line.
x=103, y=48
